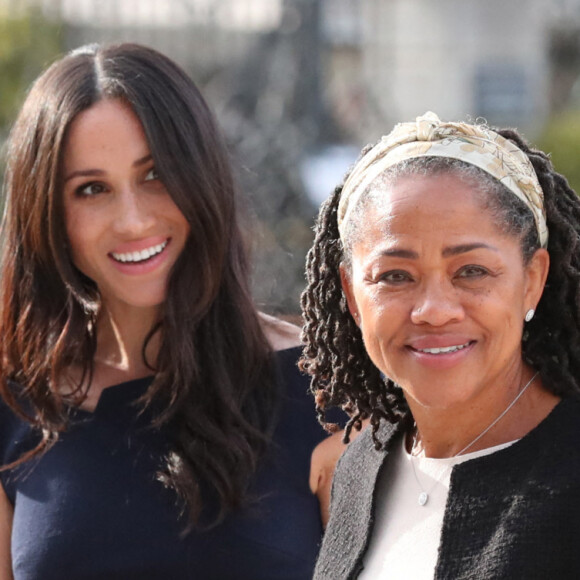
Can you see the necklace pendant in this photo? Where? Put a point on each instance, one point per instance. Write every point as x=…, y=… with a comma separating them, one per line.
x=423, y=498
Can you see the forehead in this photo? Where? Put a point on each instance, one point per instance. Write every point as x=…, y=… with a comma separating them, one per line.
x=442, y=189
x=430, y=208
x=108, y=129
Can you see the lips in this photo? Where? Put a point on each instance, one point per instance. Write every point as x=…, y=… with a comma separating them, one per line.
x=139, y=255
x=440, y=352
x=444, y=349
x=439, y=343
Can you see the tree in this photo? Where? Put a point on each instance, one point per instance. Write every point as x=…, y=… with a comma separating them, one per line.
x=28, y=42
x=561, y=139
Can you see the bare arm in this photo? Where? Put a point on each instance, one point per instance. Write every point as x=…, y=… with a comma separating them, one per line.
x=280, y=334
x=6, y=515
x=322, y=464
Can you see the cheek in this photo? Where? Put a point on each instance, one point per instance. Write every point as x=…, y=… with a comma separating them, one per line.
x=81, y=237
x=74, y=221
x=166, y=207
x=505, y=323
x=378, y=322
x=502, y=305
x=380, y=310
x=497, y=317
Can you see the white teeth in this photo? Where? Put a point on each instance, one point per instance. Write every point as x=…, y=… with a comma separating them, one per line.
x=140, y=256
x=444, y=349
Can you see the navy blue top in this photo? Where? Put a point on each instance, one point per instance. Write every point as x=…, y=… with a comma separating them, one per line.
x=92, y=507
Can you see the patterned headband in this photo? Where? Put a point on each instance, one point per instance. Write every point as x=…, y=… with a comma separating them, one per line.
x=474, y=144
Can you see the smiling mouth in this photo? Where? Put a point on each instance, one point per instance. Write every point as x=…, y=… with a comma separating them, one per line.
x=444, y=349
x=141, y=256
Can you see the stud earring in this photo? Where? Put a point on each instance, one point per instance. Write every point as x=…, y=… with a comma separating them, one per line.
x=529, y=314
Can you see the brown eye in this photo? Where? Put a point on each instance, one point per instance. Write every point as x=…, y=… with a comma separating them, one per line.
x=472, y=272
x=90, y=189
x=152, y=175
x=395, y=277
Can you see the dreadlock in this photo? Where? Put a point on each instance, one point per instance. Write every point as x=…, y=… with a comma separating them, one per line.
x=342, y=373
x=334, y=353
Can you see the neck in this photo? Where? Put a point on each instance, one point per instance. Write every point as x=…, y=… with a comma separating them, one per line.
x=480, y=424
x=120, y=340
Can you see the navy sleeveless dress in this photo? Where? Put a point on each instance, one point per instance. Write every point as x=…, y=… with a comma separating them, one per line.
x=92, y=507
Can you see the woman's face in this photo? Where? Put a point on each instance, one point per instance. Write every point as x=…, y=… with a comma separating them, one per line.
x=124, y=230
x=440, y=292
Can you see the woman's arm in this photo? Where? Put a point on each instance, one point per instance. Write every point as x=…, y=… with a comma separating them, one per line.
x=322, y=464
x=280, y=334
x=6, y=515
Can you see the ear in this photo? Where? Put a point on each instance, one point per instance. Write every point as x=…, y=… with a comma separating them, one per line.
x=346, y=282
x=536, y=275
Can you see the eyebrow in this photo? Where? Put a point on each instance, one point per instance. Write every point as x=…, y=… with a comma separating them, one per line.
x=447, y=252
x=98, y=172
x=464, y=248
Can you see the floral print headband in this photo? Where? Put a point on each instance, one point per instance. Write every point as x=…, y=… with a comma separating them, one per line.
x=475, y=144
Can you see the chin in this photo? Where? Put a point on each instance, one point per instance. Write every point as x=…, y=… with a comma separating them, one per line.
x=444, y=398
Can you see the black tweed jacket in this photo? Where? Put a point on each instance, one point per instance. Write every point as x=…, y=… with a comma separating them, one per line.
x=514, y=514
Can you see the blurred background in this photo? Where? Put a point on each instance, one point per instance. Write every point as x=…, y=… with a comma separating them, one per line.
x=300, y=85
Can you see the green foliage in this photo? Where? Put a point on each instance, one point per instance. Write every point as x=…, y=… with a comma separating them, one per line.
x=28, y=42
x=561, y=139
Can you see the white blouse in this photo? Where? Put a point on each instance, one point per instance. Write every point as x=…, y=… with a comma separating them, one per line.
x=406, y=534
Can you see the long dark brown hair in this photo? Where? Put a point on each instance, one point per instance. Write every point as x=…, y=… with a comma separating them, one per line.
x=334, y=353
x=213, y=381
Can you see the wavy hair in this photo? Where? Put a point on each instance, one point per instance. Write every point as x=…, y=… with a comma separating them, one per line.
x=334, y=353
x=213, y=382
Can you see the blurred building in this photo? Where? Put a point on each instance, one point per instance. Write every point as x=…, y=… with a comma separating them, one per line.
x=377, y=61
x=300, y=85
x=511, y=62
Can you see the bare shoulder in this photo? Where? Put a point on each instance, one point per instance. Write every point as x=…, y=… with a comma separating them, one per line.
x=280, y=334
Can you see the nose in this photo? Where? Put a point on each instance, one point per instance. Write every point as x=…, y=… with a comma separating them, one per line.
x=438, y=303
x=133, y=214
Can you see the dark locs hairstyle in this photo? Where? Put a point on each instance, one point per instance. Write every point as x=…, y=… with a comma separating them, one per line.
x=334, y=353
x=213, y=381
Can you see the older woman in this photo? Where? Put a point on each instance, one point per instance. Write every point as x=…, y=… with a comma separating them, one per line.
x=443, y=306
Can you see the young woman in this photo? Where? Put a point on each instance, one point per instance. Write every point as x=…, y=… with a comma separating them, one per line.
x=442, y=305
x=153, y=423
